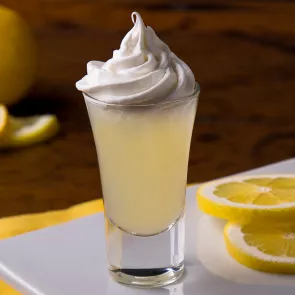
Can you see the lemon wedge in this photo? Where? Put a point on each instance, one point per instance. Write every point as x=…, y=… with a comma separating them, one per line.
x=269, y=247
x=249, y=198
x=3, y=118
x=20, y=132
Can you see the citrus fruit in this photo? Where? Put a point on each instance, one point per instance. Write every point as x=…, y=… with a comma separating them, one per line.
x=29, y=130
x=3, y=119
x=249, y=198
x=17, y=56
x=265, y=247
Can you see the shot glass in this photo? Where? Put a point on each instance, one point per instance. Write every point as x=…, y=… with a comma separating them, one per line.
x=143, y=153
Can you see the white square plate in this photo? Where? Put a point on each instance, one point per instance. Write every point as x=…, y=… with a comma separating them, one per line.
x=69, y=259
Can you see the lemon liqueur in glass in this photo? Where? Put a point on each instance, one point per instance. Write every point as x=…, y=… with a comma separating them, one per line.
x=142, y=104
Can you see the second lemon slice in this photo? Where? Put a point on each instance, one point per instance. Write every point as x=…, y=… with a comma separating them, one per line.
x=29, y=130
x=265, y=247
x=248, y=198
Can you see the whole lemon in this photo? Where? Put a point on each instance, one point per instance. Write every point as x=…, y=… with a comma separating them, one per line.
x=17, y=57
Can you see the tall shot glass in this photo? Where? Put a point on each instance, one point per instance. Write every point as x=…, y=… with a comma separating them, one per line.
x=143, y=153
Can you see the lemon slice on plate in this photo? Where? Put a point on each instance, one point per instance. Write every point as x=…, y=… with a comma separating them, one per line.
x=248, y=198
x=269, y=247
x=3, y=118
x=28, y=130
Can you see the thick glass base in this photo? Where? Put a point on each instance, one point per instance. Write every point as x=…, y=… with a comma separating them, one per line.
x=148, y=278
x=146, y=261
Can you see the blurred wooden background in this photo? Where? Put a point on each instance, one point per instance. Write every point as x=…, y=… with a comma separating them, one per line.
x=242, y=54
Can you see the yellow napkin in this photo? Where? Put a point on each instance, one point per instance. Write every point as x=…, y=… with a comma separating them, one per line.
x=16, y=225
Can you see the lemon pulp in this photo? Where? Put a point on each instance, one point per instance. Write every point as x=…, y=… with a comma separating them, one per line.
x=259, y=191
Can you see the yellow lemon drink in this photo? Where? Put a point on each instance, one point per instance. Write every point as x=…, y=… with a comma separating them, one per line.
x=143, y=155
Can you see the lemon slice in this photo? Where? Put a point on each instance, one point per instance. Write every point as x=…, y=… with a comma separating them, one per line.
x=3, y=118
x=269, y=247
x=29, y=130
x=248, y=198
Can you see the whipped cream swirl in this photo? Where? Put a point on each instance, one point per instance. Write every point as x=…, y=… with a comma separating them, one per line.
x=143, y=70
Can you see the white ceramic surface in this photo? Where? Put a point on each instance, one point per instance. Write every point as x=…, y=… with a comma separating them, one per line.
x=69, y=259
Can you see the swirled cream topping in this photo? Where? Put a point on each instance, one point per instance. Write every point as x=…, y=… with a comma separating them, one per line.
x=143, y=70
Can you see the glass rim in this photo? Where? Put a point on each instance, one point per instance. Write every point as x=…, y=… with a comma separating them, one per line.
x=195, y=94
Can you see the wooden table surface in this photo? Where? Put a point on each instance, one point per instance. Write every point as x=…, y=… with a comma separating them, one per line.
x=242, y=54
